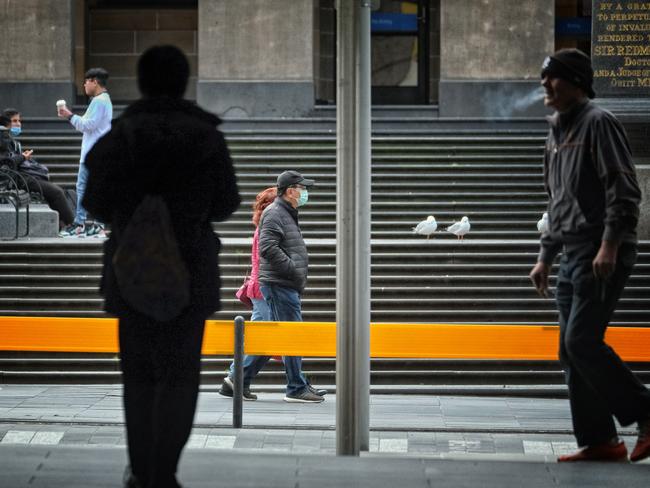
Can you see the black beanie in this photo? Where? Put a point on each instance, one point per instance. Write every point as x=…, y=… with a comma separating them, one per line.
x=573, y=66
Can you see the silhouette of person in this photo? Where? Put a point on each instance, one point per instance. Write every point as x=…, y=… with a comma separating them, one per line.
x=164, y=145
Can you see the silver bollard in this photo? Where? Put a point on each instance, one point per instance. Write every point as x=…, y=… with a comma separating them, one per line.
x=238, y=380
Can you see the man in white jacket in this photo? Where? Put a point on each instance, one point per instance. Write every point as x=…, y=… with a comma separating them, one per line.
x=93, y=124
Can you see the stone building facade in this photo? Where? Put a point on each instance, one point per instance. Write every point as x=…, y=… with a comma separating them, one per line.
x=249, y=58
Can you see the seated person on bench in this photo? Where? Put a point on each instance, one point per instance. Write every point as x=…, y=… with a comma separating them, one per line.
x=36, y=175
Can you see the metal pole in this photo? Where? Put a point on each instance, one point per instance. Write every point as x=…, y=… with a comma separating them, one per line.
x=238, y=380
x=353, y=227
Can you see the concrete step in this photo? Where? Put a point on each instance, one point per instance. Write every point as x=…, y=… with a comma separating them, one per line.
x=38, y=220
x=393, y=375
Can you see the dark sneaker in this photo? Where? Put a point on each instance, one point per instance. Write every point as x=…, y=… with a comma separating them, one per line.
x=306, y=396
x=317, y=391
x=95, y=230
x=228, y=390
x=73, y=230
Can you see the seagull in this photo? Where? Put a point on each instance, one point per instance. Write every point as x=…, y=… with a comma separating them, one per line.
x=542, y=224
x=426, y=227
x=459, y=228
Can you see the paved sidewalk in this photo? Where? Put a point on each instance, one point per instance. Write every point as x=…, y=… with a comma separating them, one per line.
x=92, y=416
x=102, y=405
x=25, y=467
x=73, y=436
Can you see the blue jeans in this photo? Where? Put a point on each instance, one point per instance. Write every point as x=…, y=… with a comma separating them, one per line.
x=253, y=364
x=82, y=180
x=284, y=304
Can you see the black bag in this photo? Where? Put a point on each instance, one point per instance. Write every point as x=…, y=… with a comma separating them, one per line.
x=150, y=271
x=34, y=169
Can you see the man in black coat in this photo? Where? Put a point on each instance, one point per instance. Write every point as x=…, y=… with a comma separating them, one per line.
x=163, y=145
x=283, y=271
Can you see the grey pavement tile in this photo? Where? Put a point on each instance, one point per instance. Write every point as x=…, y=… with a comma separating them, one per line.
x=249, y=443
x=112, y=429
x=392, y=434
x=273, y=447
x=327, y=444
x=601, y=474
x=514, y=446
x=424, y=436
x=81, y=429
x=307, y=442
x=346, y=471
x=486, y=474
x=105, y=439
x=221, y=431
x=278, y=439
x=422, y=449
x=76, y=439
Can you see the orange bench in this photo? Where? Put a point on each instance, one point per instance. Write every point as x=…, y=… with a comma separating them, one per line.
x=399, y=340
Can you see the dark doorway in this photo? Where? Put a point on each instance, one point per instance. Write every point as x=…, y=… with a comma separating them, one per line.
x=400, y=53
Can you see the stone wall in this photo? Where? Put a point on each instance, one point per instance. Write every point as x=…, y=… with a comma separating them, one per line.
x=37, y=54
x=256, y=57
x=490, y=55
x=117, y=38
x=434, y=49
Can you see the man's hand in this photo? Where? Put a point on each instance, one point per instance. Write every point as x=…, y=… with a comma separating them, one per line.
x=605, y=261
x=64, y=113
x=28, y=154
x=539, y=277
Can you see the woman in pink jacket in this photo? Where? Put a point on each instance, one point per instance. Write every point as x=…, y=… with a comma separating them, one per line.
x=261, y=312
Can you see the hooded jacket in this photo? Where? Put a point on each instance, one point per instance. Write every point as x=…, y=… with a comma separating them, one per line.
x=173, y=148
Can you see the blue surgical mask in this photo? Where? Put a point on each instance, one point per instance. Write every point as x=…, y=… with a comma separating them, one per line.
x=15, y=131
x=304, y=196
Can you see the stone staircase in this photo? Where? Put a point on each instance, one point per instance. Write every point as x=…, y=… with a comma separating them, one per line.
x=487, y=171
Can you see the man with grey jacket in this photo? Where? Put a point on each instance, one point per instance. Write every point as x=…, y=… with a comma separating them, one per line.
x=592, y=217
x=283, y=270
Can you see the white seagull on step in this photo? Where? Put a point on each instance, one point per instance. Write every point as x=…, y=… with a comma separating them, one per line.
x=460, y=228
x=426, y=227
x=542, y=224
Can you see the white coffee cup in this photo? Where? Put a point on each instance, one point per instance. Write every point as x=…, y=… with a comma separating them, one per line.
x=60, y=104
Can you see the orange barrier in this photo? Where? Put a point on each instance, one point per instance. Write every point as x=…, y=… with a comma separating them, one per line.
x=398, y=340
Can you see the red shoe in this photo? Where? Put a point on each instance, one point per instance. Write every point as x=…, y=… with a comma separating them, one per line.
x=600, y=452
x=642, y=448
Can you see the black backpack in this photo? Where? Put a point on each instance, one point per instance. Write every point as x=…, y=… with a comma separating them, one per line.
x=150, y=271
